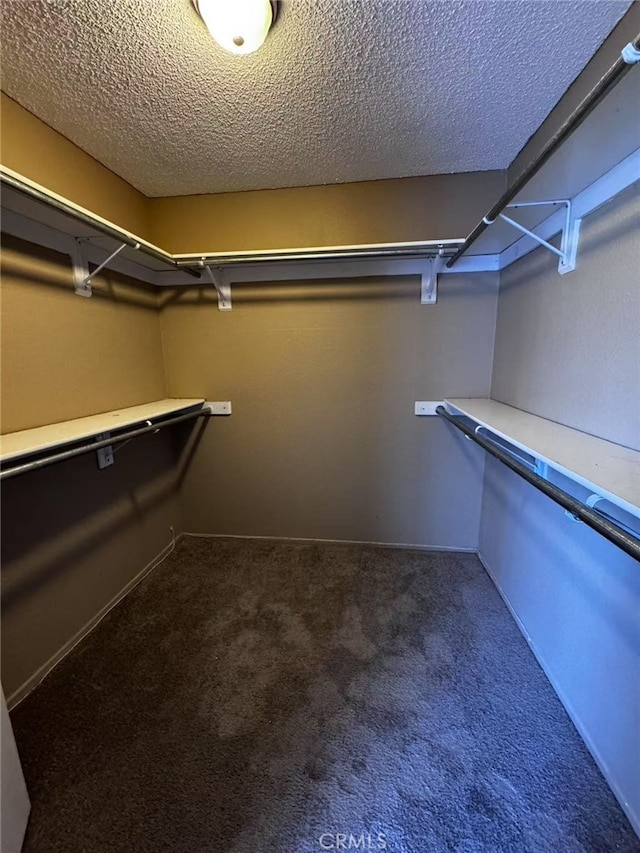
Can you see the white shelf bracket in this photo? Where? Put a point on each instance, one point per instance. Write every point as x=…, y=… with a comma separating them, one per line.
x=429, y=280
x=568, y=250
x=80, y=270
x=223, y=288
x=105, y=454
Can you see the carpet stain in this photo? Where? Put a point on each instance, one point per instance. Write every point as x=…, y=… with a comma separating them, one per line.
x=256, y=696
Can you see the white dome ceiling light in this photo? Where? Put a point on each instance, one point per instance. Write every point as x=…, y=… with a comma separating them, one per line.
x=239, y=26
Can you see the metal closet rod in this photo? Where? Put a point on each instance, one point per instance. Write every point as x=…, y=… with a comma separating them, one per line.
x=92, y=222
x=428, y=248
x=43, y=462
x=613, y=76
x=611, y=531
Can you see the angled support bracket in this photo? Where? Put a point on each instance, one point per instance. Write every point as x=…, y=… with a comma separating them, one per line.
x=223, y=288
x=81, y=276
x=570, y=232
x=429, y=280
x=107, y=261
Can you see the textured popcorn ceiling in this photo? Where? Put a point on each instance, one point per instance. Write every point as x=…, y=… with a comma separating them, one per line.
x=342, y=90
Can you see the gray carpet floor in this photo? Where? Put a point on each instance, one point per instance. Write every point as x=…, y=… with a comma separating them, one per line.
x=260, y=696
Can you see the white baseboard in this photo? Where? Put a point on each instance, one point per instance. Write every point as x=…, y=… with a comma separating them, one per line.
x=300, y=540
x=41, y=673
x=634, y=818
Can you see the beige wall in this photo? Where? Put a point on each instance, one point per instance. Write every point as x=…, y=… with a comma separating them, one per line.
x=430, y=208
x=66, y=357
x=74, y=536
x=323, y=376
x=323, y=442
x=36, y=151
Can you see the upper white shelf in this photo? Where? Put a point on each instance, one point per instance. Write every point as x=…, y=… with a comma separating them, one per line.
x=36, y=214
x=608, y=469
x=26, y=442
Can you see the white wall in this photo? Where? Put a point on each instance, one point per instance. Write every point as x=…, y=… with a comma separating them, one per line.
x=568, y=349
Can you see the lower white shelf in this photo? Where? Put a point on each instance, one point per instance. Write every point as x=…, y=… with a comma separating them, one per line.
x=13, y=445
x=608, y=469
